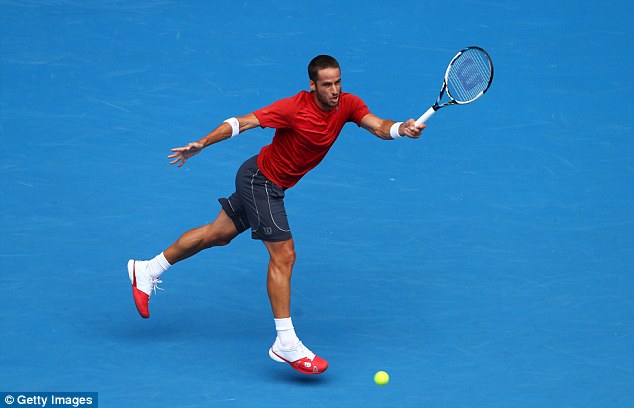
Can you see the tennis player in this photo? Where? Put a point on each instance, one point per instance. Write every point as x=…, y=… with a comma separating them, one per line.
x=307, y=125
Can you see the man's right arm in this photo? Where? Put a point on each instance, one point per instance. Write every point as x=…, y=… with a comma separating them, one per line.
x=222, y=132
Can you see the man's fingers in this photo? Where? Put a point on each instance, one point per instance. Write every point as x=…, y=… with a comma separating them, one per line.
x=413, y=130
x=181, y=154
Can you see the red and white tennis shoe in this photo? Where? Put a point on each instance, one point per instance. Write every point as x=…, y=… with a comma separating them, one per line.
x=299, y=357
x=142, y=286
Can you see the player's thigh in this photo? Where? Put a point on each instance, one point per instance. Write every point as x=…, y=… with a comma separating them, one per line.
x=263, y=203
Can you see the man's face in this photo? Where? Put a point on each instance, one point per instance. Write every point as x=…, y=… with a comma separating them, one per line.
x=327, y=88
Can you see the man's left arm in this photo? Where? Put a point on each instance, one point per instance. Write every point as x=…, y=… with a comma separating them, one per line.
x=224, y=131
x=388, y=129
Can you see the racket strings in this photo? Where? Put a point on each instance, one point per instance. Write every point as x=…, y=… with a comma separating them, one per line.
x=469, y=76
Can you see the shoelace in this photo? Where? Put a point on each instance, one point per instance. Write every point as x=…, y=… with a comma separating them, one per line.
x=154, y=284
x=303, y=350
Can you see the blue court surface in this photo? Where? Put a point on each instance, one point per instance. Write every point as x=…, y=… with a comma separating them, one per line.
x=488, y=264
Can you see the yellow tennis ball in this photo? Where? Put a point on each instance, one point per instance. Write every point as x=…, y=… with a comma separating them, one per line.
x=381, y=378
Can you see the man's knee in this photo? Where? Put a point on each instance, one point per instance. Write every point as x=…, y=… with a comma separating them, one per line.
x=218, y=240
x=219, y=234
x=287, y=257
x=282, y=254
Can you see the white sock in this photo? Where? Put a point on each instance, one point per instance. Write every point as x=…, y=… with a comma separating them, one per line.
x=286, y=332
x=158, y=265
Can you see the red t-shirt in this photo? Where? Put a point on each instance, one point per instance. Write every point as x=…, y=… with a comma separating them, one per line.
x=304, y=134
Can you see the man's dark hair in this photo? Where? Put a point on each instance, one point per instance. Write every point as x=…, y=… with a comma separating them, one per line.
x=320, y=62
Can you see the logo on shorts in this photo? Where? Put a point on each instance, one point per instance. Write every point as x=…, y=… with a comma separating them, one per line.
x=268, y=230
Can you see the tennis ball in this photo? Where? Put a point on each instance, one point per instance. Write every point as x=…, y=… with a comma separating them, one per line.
x=381, y=378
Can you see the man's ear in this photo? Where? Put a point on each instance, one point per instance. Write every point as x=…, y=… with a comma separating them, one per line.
x=312, y=85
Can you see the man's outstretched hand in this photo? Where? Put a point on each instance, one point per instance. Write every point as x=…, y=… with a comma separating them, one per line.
x=182, y=154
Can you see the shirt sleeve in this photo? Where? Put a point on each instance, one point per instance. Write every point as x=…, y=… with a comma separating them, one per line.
x=278, y=115
x=358, y=109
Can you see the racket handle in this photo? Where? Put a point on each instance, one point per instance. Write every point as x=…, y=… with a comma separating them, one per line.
x=425, y=117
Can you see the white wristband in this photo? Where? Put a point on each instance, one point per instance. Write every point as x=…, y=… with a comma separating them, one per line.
x=394, y=130
x=235, y=126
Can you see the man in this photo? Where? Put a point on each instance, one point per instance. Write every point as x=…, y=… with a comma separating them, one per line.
x=307, y=125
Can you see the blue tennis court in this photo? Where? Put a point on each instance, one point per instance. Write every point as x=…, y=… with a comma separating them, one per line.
x=488, y=264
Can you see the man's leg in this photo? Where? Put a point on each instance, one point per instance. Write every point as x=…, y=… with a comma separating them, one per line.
x=278, y=281
x=218, y=233
x=287, y=347
x=144, y=275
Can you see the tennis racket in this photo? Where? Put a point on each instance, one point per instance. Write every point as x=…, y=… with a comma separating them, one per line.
x=468, y=77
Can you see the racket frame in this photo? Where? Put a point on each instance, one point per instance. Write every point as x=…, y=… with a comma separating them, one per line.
x=436, y=106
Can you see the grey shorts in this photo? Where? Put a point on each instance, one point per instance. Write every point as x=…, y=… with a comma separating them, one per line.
x=258, y=203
